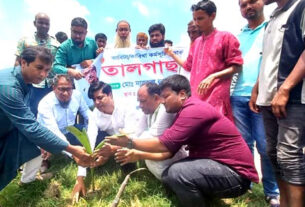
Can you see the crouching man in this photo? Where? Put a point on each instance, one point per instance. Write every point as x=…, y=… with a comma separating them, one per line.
x=219, y=164
x=107, y=118
x=153, y=122
x=56, y=111
x=20, y=133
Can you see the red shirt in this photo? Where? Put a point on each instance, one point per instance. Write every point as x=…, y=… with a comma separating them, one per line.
x=208, y=55
x=209, y=135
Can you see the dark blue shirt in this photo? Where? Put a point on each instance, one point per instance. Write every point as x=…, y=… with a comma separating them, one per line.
x=20, y=133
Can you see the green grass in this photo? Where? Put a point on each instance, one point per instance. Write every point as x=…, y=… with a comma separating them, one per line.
x=142, y=190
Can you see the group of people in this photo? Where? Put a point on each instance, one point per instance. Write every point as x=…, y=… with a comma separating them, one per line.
x=196, y=136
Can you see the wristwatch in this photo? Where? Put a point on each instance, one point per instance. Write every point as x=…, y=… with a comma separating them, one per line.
x=129, y=143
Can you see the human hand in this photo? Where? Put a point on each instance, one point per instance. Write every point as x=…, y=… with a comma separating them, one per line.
x=121, y=140
x=99, y=51
x=168, y=51
x=99, y=160
x=252, y=103
x=79, y=189
x=124, y=156
x=45, y=155
x=279, y=102
x=75, y=74
x=105, y=151
x=80, y=156
x=86, y=63
x=205, y=85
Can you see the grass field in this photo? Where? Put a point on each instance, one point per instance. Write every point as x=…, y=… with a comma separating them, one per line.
x=142, y=190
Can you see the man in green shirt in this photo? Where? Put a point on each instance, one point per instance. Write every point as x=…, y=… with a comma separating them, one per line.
x=20, y=133
x=77, y=50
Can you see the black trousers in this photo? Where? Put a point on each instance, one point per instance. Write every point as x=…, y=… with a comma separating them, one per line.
x=196, y=180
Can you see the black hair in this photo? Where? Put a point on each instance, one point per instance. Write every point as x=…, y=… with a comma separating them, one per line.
x=176, y=83
x=168, y=42
x=96, y=86
x=100, y=35
x=152, y=88
x=155, y=27
x=79, y=22
x=30, y=53
x=206, y=5
x=61, y=37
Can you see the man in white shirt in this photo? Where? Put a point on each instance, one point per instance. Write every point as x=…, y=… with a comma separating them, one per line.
x=56, y=111
x=107, y=118
x=154, y=121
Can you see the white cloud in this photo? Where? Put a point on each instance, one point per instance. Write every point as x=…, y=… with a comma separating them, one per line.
x=195, y=1
x=184, y=40
x=60, y=12
x=228, y=17
x=110, y=19
x=142, y=8
x=7, y=54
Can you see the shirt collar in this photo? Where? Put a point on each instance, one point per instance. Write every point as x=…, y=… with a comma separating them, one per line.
x=41, y=41
x=247, y=28
x=209, y=35
x=56, y=101
x=287, y=6
x=86, y=42
x=152, y=117
x=17, y=73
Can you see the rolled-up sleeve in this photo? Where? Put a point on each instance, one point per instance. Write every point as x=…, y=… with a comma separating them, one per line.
x=232, y=52
x=82, y=171
x=60, y=62
x=12, y=104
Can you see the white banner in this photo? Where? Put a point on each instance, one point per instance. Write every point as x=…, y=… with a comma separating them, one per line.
x=127, y=69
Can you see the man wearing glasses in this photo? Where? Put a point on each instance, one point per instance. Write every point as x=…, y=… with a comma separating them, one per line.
x=79, y=49
x=56, y=111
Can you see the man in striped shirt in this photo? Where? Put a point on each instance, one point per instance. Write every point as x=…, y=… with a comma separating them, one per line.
x=20, y=133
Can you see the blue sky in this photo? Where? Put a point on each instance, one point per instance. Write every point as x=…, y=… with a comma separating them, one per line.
x=16, y=18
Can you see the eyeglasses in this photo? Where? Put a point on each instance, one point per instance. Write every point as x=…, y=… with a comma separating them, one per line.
x=65, y=89
x=78, y=33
